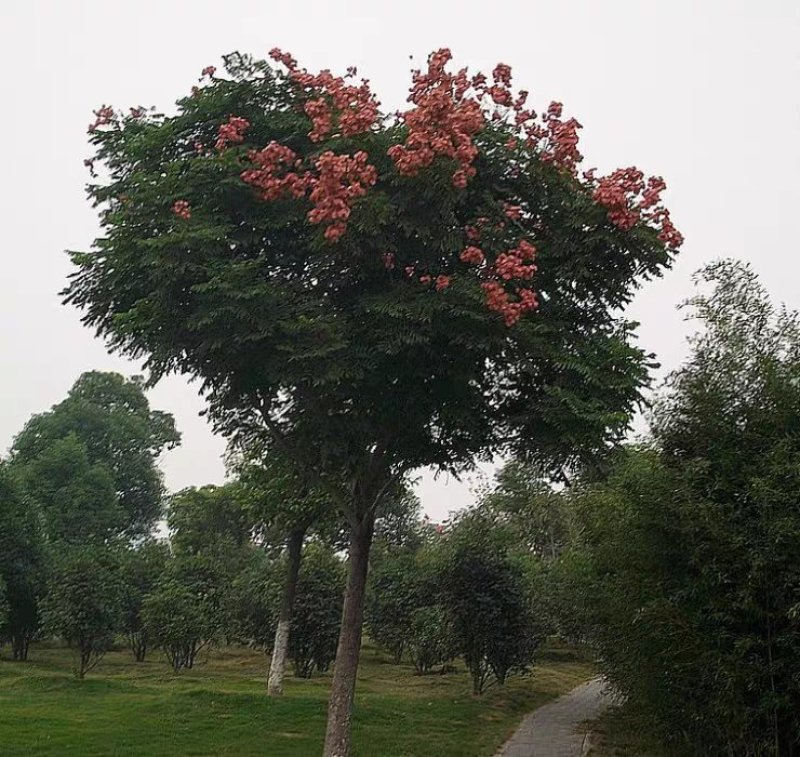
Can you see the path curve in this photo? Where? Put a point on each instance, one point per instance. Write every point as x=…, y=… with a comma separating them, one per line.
x=558, y=729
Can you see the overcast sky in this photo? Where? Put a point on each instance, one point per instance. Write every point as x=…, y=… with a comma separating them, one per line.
x=703, y=92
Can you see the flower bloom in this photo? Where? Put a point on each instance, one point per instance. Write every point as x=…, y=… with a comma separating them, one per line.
x=181, y=209
x=233, y=131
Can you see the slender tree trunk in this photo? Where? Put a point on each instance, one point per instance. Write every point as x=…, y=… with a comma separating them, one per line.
x=280, y=649
x=340, y=706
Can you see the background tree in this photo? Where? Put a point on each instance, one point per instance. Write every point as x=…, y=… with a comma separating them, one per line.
x=142, y=568
x=487, y=594
x=106, y=430
x=686, y=570
x=431, y=640
x=283, y=509
x=178, y=619
x=21, y=564
x=4, y=606
x=354, y=279
x=83, y=603
x=317, y=612
x=526, y=501
x=393, y=598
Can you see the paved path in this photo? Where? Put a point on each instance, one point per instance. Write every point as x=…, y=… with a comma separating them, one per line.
x=557, y=729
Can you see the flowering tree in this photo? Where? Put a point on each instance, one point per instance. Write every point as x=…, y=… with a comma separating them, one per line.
x=386, y=292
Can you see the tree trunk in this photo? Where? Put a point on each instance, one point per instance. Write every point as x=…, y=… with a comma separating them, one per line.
x=20, y=644
x=280, y=649
x=340, y=705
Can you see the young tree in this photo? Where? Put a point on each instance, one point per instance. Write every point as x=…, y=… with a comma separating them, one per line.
x=431, y=640
x=393, y=597
x=106, y=430
x=178, y=620
x=363, y=283
x=4, y=606
x=142, y=568
x=317, y=611
x=83, y=603
x=283, y=510
x=486, y=591
x=21, y=564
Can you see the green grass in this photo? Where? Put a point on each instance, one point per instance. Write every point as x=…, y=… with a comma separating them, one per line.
x=220, y=707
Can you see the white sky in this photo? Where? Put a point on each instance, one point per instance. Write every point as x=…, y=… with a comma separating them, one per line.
x=704, y=92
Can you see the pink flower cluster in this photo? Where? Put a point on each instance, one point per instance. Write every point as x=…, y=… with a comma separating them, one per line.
x=472, y=255
x=442, y=122
x=209, y=71
x=335, y=184
x=334, y=106
x=231, y=132
x=499, y=301
x=340, y=180
x=631, y=200
x=517, y=263
x=272, y=176
x=103, y=116
x=181, y=209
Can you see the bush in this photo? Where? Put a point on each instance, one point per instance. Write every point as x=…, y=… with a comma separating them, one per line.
x=83, y=604
x=431, y=640
x=487, y=593
x=177, y=619
x=392, y=600
x=317, y=611
x=141, y=570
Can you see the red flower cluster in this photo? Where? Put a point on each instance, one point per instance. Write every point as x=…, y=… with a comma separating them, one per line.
x=442, y=122
x=181, y=209
x=277, y=54
x=631, y=200
x=209, y=71
x=442, y=282
x=517, y=263
x=233, y=131
x=473, y=255
x=338, y=181
x=103, y=116
x=335, y=107
x=499, y=301
x=341, y=179
x=272, y=177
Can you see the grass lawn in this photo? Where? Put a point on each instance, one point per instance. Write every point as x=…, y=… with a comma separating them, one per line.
x=220, y=707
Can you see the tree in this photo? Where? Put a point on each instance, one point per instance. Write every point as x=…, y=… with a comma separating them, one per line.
x=487, y=594
x=83, y=603
x=21, y=564
x=431, y=640
x=104, y=427
x=178, y=620
x=362, y=284
x=317, y=611
x=283, y=510
x=687, y=567
x=524, y=499
x=4, y=606
x=142, y=568
x=75, y=499
x=731, y=423
x=392, y=601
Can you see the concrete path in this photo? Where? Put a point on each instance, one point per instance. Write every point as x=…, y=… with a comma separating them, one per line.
x=557, y=729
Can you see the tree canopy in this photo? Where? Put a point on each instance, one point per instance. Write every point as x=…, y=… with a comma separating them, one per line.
x=94, y=455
